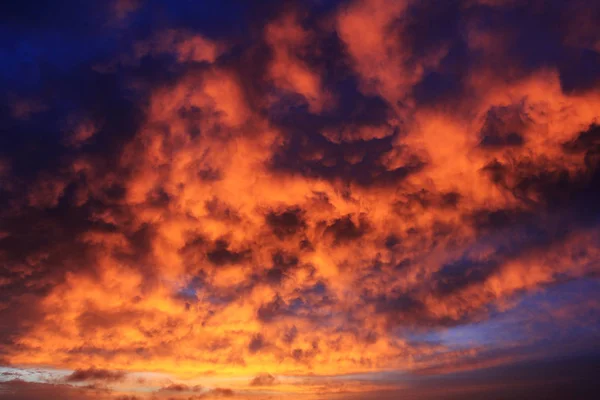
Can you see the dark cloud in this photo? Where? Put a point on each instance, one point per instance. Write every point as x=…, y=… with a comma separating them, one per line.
x=221, y=255
x=492, y=220
x=587, y=141
x=94, y=374
x=345, y=229
x=269, y=311
x=264, y=380
x=22, y=390
x=180, y=387
x=282, y=264
x=502, y=127
x=223, y=392
x=286, y=223
x=358, y=162
x=455, y=276
x=257, y=343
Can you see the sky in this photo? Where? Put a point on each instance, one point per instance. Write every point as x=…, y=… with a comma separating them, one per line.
x=317, y=199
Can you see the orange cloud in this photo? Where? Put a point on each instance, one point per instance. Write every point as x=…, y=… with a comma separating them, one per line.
x=219, y=239
x=290, y=42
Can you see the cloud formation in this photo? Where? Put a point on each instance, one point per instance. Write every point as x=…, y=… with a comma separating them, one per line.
x=319, y=195
x=93, y=374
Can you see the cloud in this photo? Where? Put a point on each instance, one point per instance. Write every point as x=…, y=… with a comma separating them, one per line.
x=25, y=108
x=179, y=387
x=93, y=374
x=221, y=392
x=330, y=192
x=264, y=380
x=123, y=8
x=290, y=44
x=21, y=390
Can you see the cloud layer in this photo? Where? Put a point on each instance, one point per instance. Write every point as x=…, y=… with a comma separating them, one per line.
x=324, y=189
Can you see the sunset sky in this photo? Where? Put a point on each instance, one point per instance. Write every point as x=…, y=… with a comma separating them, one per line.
x=311, y=199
